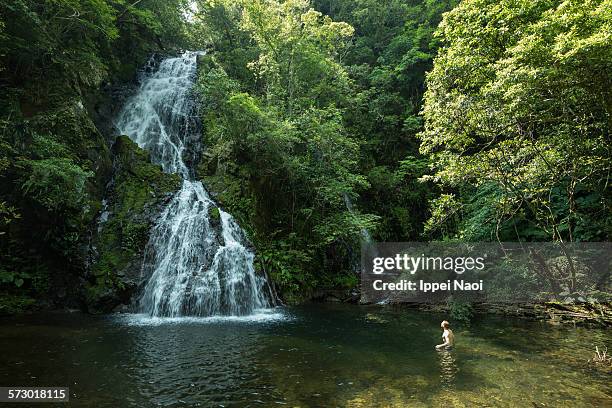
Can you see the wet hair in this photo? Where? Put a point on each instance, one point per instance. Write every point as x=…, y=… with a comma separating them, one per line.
x=445, y=324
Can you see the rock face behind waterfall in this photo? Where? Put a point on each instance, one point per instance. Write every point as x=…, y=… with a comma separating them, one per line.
x=197, y=260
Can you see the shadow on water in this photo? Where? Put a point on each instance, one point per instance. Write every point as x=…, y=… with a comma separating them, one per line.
x=311, y=356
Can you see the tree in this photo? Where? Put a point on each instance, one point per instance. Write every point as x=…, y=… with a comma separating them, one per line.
x=517, y=119
x=279, y=150
x=54, y=161
x=392, y=49
x=299, y=53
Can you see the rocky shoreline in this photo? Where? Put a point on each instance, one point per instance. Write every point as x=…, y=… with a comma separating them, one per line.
x=556, y=313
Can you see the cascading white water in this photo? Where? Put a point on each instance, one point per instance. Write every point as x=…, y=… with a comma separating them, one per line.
x=196, y=256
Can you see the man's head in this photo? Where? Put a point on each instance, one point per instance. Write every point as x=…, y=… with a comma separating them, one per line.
x=445, y=324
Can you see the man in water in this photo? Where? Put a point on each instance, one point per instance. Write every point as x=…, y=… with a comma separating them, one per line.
x=447, y=336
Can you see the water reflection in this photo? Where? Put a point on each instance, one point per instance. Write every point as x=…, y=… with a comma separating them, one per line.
x=326, y=356
x=448, y=367
x=196, y=364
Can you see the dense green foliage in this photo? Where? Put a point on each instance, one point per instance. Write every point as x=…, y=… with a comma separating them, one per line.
x=280, y=142
x=392, y=49
x=323, y=121
x=518, y=121
x=305, y=115
x=54, y=161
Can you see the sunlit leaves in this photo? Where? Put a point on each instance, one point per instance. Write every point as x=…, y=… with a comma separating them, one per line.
x=279, y=142
x=299, y=49
x=518, y=98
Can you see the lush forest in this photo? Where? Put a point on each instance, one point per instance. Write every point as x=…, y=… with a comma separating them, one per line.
x=322, y=121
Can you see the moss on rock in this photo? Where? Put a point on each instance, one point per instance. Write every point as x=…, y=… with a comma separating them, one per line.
x=54, y=164
x=136, y=195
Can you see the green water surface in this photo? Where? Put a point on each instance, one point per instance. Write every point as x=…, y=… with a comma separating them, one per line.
x=310, y=356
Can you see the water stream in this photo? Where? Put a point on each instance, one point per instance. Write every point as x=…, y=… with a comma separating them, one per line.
x=197, y=256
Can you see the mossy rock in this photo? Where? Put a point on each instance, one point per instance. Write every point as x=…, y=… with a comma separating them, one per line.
x=137, y=194
x=214, y=213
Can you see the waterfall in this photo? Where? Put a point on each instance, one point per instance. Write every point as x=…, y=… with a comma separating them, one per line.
x=197, y=257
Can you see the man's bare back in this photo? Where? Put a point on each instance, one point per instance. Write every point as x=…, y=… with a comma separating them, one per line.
x=447, y=336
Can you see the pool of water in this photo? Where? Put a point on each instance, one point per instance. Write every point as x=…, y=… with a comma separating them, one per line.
x=310, y=356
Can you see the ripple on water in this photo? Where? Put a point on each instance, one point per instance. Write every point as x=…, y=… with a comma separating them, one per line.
x=317, y=355
x=259, y=316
